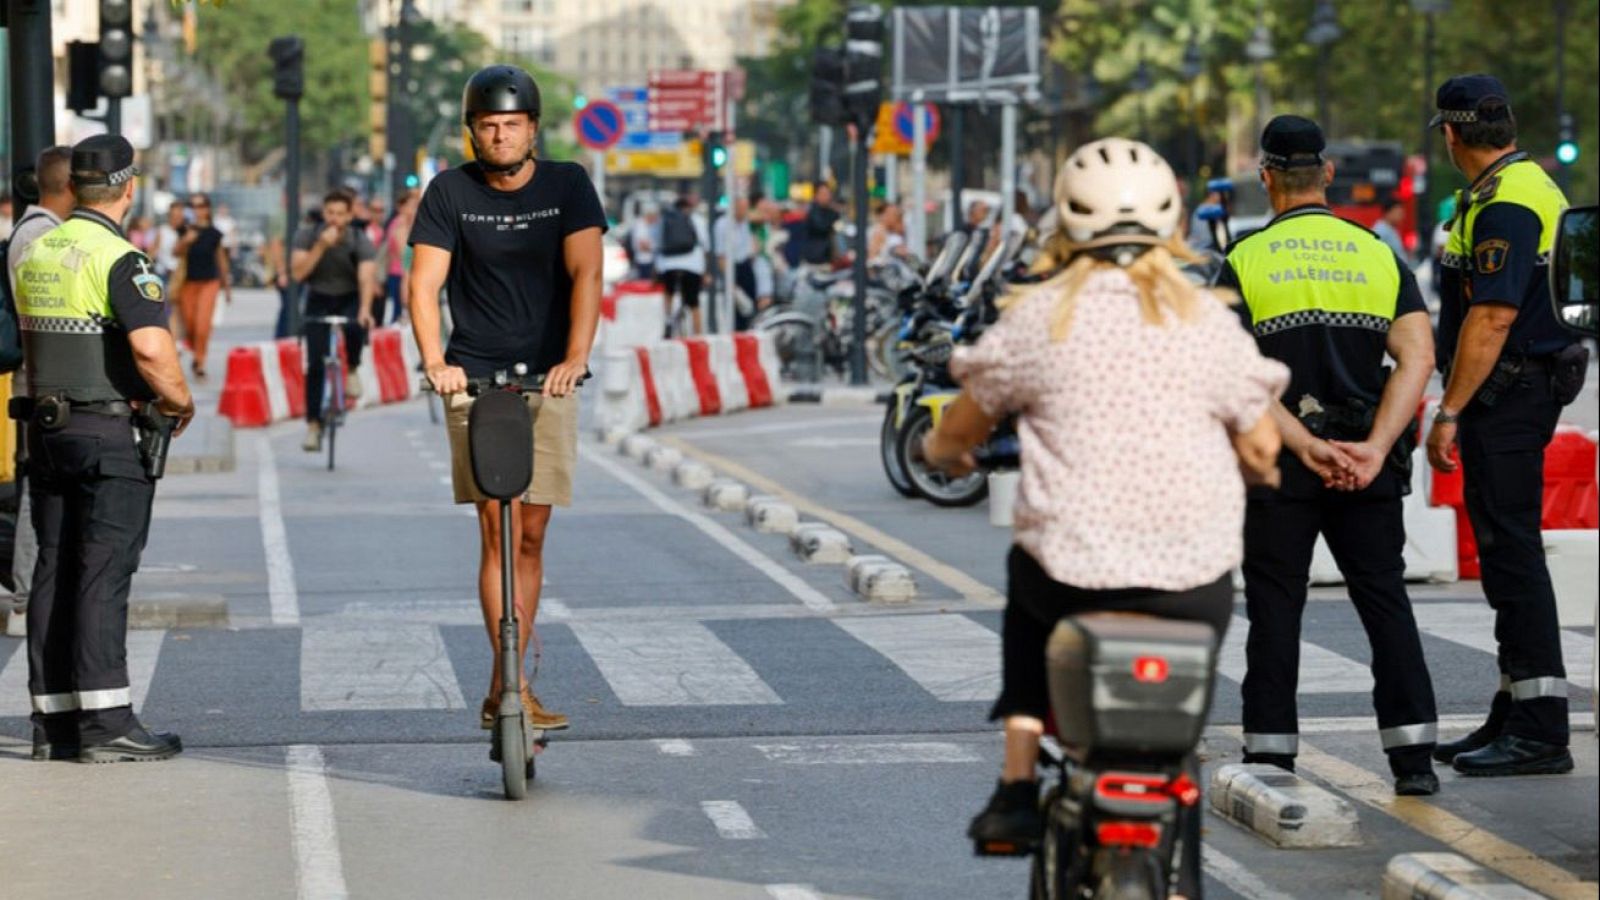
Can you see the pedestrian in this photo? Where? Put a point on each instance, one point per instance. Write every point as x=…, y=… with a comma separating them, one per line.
x=166, y=244
x=682, y=261
x=886, y=239
x=765, y=214
x=1509, y=368
x=56, y=200
x=6, y=221
x=394, y=252
x=816, y=230
x=517, y=241
x=206, y=271
x=1329, y=299
x=643, y=236
x=1387, y=228
x=338, y=266
x=736, y=241
x=1099, y=528
x=375, y=224
x=94, y=327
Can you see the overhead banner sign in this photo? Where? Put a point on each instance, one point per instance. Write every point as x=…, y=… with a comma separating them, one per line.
x=950, y=54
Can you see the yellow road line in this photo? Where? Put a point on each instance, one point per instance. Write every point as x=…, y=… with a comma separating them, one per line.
x=956, y=580
x=1472, y=841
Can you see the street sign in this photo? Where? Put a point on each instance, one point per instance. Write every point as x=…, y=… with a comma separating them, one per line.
x=636, y=133
x=905, y=125
x=599, y=125
x=691, y=99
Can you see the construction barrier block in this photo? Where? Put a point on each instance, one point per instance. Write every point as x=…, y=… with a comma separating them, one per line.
x=292, y=367
x=277, y=393
x=747, y=348
x=1573, y=557
x=705, y=382
x=725, y=366
x=244, y=390
x=1283, y=808
x=1447, y=876
x=679, y=399
x=652, y=400
x=1569, y=482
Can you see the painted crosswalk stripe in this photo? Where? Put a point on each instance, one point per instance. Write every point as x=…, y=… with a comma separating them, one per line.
x=1472, y=625
x=670, y=664
x=144, y=652
x=1322, y=671
x=674, y=747
x=792, y=892
x=841, y=753
x=950, y=656
x=378, y=666
x=731, y=821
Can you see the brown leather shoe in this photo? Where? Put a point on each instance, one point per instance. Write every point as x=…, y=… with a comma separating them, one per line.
x=491, y=708
x=538, y=716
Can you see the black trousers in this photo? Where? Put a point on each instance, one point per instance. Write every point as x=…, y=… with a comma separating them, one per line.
x=1502, y=461
x=91, y=509
x=317, y=338
x=1366, y=533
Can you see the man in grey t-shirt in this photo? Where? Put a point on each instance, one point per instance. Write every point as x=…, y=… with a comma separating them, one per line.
x=338, y=265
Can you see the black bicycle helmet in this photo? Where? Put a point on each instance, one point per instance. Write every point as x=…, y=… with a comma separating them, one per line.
x=499, y=89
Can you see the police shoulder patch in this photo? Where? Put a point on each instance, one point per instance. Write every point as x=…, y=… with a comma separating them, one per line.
x=1490, y=255
x=1487, y=190
x=150, y=287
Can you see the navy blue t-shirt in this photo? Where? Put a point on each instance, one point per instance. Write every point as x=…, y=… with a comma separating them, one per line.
x=1510, y=272
x=510, y=293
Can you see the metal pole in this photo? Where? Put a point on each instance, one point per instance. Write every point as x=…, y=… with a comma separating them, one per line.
x=891, y=178
x=291, y=218
x=1425, y=211
x=958, y=117
x=597, y=174
x=1563, y=171
x=825, y=154
x=1008, y=164
x=858, y=331
x=114, y=115
x=32, y=102
x=708, y=181
x=731, y=182
x=919, y=177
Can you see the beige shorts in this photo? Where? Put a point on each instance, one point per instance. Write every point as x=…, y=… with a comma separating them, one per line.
x=555, y=449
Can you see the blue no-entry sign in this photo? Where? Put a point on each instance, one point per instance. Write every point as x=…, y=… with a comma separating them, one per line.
x=905, y=126
x=599, y=125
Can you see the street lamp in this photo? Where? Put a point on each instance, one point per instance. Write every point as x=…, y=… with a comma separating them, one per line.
x=1428, y=9
x=1323, y=32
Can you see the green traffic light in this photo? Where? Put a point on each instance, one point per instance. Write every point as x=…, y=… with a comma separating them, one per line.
x=580, y=101
x=719, y=157
x=1567, y=152
x=412, y=181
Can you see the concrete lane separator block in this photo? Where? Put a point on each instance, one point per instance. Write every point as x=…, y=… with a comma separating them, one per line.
x=663, y=459
x=693, y=474
x=1283, y=808
x=726, y=495
x=177, y=610
x=1447, y=876
x=769, y=515
x=815, y=542
x=637, y=446
x=879, y=579
x=614, y=436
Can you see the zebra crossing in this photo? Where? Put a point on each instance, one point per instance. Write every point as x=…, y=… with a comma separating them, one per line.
x=370, y=663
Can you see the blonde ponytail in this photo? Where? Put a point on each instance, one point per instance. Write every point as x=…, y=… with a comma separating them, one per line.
x=1164, y=291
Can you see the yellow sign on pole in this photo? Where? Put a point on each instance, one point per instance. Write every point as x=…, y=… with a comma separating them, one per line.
x=884, y=138
x=683, y=162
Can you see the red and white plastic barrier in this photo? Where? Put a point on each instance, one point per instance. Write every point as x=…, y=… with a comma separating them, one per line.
x=266, y=381
x=667, y=381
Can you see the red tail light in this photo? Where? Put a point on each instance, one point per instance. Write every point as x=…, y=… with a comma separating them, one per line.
x=1151, y=669
x=1137, y=788
x=1187, y=792
x=1128, y=834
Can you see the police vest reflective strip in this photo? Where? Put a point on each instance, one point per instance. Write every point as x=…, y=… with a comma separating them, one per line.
x=64, y=310
x=1523, y=183
x=1313, y=268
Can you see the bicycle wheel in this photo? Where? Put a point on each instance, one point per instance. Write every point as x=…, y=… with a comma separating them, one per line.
x=332, y=408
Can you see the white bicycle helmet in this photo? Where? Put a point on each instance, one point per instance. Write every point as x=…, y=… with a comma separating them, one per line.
x=1118, y=197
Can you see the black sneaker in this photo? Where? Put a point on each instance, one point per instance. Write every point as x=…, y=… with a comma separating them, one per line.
x=138, y=745
x=1416, y=784
x=1011, y=825
x=1512, y=755
x=1483, y=735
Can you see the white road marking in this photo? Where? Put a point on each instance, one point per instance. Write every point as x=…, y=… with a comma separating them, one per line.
x=1322, y=671
x=822, y=753
x=144, y=651
x=951, y=656
x=780, y=427
x=731, y=821
x=1581, y=721
x=319, y=871
x=377, y=666
x=828, y=443
x=445, y=480
x=674, y=747
x=553, y=609
x=284, y=599
x=805, y=593
x=671, y=664
x=438, y=466
x=792, y=892
x=1472, y=625
x=1236, y=877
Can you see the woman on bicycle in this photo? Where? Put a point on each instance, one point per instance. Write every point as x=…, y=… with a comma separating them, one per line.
x=1140, y=400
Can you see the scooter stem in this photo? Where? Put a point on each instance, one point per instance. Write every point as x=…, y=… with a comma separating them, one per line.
x=510, y=642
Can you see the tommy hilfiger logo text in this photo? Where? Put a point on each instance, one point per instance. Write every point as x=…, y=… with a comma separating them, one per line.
x=516, y=222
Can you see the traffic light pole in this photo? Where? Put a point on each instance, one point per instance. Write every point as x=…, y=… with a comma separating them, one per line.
x=1563, y=169
x=33, y=118
x=291, y=190
x=858, y=331
x=708, y=180
x=114, y=115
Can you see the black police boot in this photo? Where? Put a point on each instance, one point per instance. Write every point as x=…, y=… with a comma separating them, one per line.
x=138, y=745
x=1483, y=736
x=55, y=737
x=1512, y=755
x=1011, y=825
x=1284, y=761
x=1413, y=772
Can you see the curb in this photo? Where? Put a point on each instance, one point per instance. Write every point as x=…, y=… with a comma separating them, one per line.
x=1446, y=876
x=636, y=446
x=815, y=542
x=876, y=578
x=1283, y=808
x=149, y=611
x=838, y=396
x=726, y=495
x=663, y=459
x=769, y=515
x=696, y=476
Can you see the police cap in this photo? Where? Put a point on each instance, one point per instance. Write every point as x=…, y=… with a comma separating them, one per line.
x=1291, y=142
x=1471, y=98
x=103, y=159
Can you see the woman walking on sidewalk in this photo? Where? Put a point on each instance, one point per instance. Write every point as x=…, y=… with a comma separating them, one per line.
x=205, y=266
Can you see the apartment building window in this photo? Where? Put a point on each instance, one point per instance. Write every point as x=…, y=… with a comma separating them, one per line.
x=516, y=7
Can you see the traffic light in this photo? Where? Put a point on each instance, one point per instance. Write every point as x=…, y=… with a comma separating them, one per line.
x=719, y=155
x=378, y=90
x=83, y=76
x=579, y=101
x=827, y=86
x=288, y=67
x=1567, y=145
x=116, y=48
x=864, y=32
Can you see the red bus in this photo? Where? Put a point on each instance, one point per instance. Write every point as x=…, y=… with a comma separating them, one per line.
x=1369, y=176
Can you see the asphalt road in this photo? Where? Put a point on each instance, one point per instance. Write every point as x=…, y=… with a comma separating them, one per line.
x=743, y=726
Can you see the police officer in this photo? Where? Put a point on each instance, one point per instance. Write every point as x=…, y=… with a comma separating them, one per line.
x=1509, y=368
x=1329, y=299
x=99, y=358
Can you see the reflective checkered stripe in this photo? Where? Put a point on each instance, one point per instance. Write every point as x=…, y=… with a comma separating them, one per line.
x=1311, y=268
x=1308, y=317
x=59, y=325
x=1523, y=183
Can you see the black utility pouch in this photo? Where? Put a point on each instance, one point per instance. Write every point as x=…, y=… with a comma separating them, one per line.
x=51, y=413
x=20, y=409
x=1501, y=380
x=1568, y=371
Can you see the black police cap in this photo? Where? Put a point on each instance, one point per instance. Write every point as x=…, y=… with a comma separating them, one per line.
x=1290, y=142
x=103, y=159
x=1471, y=98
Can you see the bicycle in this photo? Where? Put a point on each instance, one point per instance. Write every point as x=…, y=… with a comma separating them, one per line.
x=333, y=395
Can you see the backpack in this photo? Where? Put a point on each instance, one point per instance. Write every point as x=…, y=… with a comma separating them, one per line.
x=677, y=234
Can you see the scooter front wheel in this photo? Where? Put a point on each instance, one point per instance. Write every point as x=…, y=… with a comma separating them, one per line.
x=516, y=763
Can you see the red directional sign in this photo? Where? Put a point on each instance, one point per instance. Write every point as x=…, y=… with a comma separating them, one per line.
x=691, y=99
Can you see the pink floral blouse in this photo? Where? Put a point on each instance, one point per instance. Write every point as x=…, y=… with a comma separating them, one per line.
x=1129, y=478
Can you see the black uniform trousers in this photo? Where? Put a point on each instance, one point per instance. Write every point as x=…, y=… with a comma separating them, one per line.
x=1502, y=461
x=318, y=337
x=91, y=509
x=1366, y=533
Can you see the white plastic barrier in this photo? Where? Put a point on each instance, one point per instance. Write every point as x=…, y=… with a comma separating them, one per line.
x=640, y=315
x=725, y=368
x=1430, y=553
x=1574, y=560
x=669, y=365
